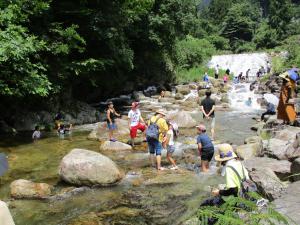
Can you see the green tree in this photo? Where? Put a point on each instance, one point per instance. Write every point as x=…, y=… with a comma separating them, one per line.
x=280, y=15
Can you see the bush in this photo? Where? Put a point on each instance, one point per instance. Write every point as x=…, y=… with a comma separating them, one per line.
x=242, y=46
x=219, y=42
x=265, y=37
x=192, y=52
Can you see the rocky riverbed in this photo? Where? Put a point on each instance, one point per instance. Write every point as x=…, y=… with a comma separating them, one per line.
x=83, y=179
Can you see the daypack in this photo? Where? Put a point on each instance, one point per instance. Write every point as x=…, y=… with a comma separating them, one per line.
x=152, y=131
x=246, y=185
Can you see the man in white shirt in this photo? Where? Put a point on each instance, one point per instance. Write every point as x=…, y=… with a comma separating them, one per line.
x=217, y=71
x=135, y=122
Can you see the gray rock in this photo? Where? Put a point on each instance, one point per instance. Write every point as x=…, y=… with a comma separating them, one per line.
x=276, y=148
x=253, y=139
x=114, y=146
x=179, y=96
x=84, y=167
x=280, y=167
x=183, y=89
x=289, y=203
x=287, y=134
x=167, y=100
x=183, y=119
x=295, y=169
x=268, y=183
x=249, y=151
x=28, y=189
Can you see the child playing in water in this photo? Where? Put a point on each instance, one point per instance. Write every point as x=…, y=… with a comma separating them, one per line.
x=170, y=144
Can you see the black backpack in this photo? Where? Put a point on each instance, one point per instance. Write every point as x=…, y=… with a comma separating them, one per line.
x=152, y=132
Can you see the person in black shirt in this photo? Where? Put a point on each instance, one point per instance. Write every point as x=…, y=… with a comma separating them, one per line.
x=208, y=110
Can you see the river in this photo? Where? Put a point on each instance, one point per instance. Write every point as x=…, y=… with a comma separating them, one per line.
x=144, y=196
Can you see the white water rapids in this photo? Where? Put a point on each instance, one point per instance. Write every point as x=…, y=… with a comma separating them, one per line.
x=240, y=62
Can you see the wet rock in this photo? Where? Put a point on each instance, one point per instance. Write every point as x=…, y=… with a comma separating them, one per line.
x=183, y=89
x=289, y=203
x=224, y=99
x=281, y=167
x=183, y=119
x=201, y=92
x=168, y=94
x=69, y=193
x=253, y=139
x=84, y=167
x=138, y=95
x=258, y=126
x=268, y=183
x=179, y=96
x=152, y=90
x=4, y=128
x=114, y=146
x=28, y=189
x=295, y=169
x=249, y=151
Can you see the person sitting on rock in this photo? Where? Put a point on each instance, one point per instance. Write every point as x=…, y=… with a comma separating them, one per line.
x=205, y=147
x=135, y=122
x=162, y=94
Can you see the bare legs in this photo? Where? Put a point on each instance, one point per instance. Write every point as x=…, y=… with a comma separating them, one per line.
x=170, y=159
x=204, y=166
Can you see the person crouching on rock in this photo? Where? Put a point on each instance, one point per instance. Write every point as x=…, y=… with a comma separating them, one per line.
x=233, y=170
x=205, y=147
x=111, y=114
x=135, y=121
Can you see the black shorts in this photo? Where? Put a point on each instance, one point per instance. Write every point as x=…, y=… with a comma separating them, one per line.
x=207, y=154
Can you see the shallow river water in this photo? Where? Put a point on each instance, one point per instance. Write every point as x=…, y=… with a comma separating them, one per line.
x=144, y=196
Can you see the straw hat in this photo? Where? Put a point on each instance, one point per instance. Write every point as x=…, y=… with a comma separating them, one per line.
x=162, y=112
x=201, y=127
x=225, y=153
x=285, y=76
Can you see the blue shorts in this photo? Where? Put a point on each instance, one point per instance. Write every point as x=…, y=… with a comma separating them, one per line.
x=154, y=147
x=112, y=126
x=171, y=148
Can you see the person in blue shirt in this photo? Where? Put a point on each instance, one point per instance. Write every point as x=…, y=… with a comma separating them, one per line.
x=205, y=147
x=270, y=111
x=205, y=77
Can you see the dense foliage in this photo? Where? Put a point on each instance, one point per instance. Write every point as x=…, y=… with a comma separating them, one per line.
x=52, y=48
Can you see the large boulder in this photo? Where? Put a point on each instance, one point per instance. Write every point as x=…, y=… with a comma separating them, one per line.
x=249, y=151
x=295, y=169
x=280, y=167
x=268, y=183
x=183, y=119
x=28, y=189
x=84, y=167
x=114, y=146
x=183, y=89
x=276, y=148
x=289, y=203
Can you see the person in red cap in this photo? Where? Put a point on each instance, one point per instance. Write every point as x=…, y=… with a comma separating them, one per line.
x=136, y=121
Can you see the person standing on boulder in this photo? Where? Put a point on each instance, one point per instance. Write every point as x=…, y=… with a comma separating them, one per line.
x=205, y=147
x=208, y=110
x=111, y=114
x=156, y=131
x=136, y=121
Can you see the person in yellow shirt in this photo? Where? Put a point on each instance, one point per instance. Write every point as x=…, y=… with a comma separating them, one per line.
x=154, y=145
x=228, y=159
